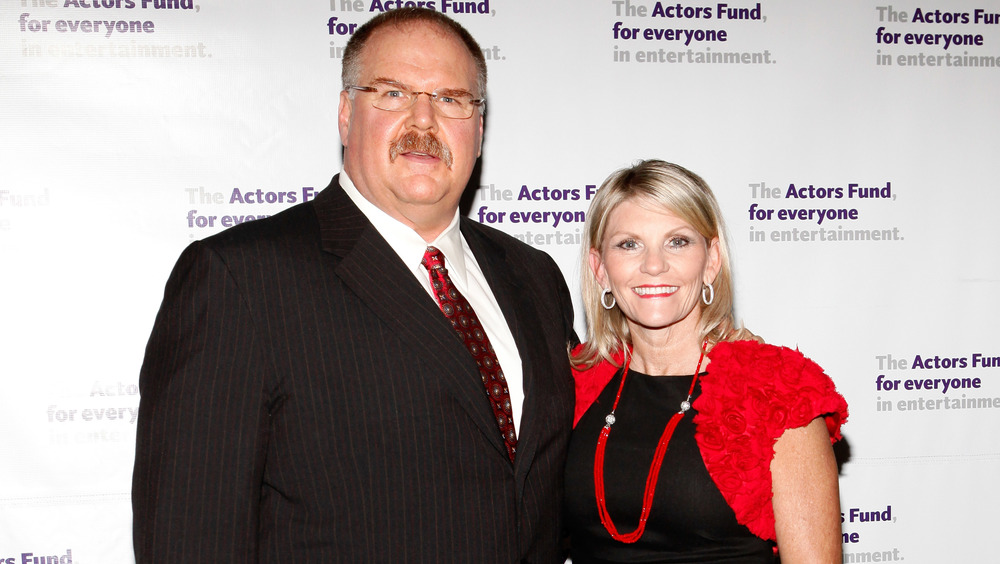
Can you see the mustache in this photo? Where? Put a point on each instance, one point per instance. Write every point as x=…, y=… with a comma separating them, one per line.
x=428, y=143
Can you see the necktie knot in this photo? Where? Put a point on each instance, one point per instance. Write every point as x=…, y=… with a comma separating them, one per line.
x=433, y=258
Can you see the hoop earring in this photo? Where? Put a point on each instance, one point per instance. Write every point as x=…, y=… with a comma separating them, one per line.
x=604, y=303
x=711, y=294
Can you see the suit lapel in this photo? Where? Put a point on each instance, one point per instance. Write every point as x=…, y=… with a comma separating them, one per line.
x=521, y=312
x=374, y=272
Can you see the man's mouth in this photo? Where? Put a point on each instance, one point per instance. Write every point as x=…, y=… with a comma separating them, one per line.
x=426, y=146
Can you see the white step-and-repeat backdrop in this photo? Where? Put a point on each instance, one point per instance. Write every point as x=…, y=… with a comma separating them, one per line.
x=854, y=147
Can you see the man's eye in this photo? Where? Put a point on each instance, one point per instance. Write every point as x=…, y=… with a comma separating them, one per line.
x=447, y=100
x=394, y=94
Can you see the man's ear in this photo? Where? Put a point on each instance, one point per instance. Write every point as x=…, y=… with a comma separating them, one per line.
x=344, y=115
x=480, y=135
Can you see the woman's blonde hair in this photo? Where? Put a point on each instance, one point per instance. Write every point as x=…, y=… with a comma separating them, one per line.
x=684, y=194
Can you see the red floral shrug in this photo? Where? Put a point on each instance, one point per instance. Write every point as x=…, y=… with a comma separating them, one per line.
x=751, y=393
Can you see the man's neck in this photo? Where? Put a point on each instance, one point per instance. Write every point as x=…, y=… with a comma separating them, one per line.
x=427, y=221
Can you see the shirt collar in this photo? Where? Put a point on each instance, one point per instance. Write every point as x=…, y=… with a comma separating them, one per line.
x=406, y=242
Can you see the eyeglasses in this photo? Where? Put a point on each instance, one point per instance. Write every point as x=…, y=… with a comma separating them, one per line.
x=393, y=97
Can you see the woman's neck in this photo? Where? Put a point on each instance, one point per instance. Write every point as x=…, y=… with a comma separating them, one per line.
x=665, y=354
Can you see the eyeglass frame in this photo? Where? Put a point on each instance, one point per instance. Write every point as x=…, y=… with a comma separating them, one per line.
x=476, y=102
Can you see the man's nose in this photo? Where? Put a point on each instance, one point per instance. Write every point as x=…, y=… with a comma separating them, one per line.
x=422, y=113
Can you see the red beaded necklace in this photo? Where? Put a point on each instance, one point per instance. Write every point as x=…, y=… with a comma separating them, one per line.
x=654, y=468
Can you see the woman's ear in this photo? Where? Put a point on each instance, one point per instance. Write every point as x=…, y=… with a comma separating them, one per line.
x=714, y=264
x=597, y=267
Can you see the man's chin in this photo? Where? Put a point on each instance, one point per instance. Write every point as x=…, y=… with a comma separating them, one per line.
x=423, y=189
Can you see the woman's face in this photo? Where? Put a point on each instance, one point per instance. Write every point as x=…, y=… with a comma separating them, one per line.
x=655, y=264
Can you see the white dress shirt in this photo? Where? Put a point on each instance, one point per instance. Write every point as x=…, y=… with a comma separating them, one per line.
x=465, y=274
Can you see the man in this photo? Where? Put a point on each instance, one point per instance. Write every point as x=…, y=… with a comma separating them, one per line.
x=305, y=398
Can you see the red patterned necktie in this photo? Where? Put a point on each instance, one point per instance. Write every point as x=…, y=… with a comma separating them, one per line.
x=463, y=318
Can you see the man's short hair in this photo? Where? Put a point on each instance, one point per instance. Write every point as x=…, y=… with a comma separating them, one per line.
x=400, y=17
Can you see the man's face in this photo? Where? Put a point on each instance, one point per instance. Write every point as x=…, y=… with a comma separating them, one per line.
x=416, y=188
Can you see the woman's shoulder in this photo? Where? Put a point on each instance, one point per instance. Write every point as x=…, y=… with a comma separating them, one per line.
x=590, y=381
x=775, y=365
x=750, y=351
x=777, y=377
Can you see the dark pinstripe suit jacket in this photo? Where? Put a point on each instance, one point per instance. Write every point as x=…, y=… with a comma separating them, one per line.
x=304, y=400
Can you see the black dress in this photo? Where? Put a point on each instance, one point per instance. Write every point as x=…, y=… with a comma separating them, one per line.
x=689, y=521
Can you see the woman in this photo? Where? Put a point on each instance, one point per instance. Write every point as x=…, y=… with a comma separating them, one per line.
x=749, y=426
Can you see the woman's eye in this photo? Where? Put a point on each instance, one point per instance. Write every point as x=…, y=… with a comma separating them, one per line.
x=678, y=242
x=628, y=244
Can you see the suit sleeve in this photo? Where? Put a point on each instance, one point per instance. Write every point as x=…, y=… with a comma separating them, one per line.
x=201, y=433
x=568, y=313
x=565, y=302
